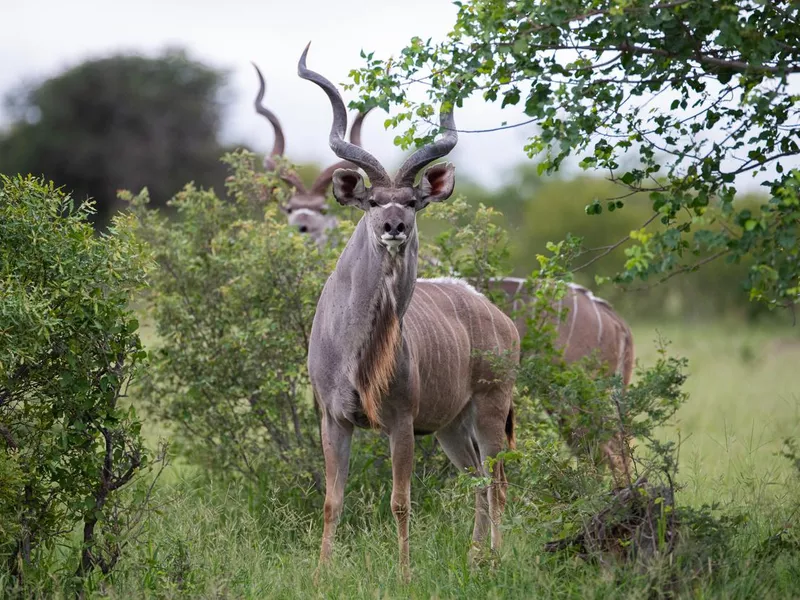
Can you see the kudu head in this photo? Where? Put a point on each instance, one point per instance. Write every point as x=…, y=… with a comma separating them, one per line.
x=306, y=208
x=390, y=204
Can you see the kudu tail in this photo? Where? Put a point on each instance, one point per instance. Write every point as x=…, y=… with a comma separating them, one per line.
x=510, y=433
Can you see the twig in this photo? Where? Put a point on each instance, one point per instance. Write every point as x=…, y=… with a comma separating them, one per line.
x=612, y=247
x=684, y=269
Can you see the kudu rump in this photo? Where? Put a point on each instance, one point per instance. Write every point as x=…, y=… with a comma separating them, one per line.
x=589, y=327
x=306, y=208
x=406, y=355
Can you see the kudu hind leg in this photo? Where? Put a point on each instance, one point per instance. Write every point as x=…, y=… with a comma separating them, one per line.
x=490, y=430
x=462, y=450
x=336, y=439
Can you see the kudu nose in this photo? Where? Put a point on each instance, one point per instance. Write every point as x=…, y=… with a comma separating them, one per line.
x=394, y=227
x=303, y=229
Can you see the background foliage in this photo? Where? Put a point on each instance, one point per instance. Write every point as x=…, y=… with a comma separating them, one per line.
x=233, y=291
x=71, y=444
x=124, y=121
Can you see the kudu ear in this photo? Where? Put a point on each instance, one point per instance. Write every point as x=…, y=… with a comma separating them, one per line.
x=436, y=184
x=349, y=188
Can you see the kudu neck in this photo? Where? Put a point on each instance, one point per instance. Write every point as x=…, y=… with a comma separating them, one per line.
x=373, y=271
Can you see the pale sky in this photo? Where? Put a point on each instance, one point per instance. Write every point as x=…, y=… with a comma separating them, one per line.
x=41, y=38
x=48, y=36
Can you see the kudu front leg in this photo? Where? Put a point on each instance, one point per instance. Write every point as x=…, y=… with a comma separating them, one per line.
x=336, y=438
x=401, y=442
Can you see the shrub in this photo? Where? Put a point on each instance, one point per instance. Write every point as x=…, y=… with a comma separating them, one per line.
x=68, y=350
x=232, y=302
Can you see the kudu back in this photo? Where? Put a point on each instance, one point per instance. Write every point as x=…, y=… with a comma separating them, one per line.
x=585, y=327
x=404, y=355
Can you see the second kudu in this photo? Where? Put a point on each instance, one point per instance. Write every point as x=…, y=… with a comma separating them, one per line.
x=406, y=355
x=590, y=325
x=585, y=326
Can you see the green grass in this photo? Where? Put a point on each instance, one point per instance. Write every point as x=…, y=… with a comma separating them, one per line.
x=213, y=540
x=744, y=400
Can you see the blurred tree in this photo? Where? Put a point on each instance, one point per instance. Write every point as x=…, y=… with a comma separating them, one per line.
x=554, y=207
x=124, y=121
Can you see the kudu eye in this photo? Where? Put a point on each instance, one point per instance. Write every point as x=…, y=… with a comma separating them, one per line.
x=373, y=204
x=289, y=210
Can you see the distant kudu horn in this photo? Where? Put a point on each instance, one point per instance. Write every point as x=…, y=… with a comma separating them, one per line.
x=280, y=141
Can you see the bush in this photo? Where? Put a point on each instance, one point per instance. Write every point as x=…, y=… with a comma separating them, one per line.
x=232, y=302
x=69, y=348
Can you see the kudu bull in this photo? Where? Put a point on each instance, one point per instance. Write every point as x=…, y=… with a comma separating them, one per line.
x=590, y=326
x=306, y=207
x=406, y=355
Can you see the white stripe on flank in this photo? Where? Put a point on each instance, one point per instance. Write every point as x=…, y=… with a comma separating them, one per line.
x=599, y=319
x=574, y=318
x=443, y=289
x=435, y=339
x=410, y=322
x=559, y=308
x=449, y=325
x=489, y=307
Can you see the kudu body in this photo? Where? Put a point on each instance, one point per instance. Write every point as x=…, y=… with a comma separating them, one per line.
x=306, y=208
x=406, y=355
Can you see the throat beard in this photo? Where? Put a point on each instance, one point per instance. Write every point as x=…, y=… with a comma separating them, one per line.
x=393, y=247
x=377, y=358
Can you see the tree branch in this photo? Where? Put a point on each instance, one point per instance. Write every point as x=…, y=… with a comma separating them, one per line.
x=612, y=247
x=684, y=269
